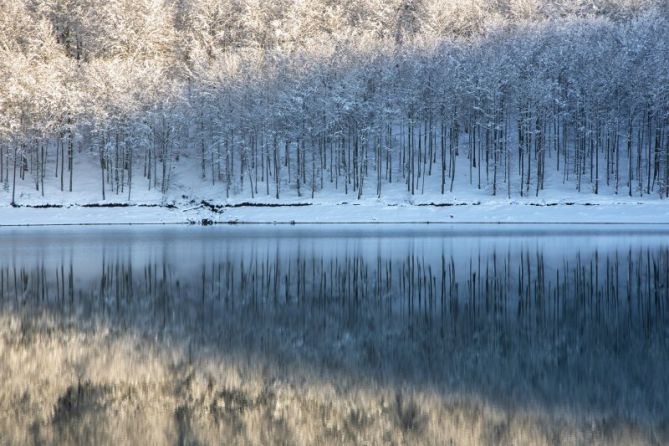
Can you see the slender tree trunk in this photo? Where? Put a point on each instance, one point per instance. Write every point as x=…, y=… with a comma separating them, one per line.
x=629, y=154
x=102, y=172
x=44, y=155
x=70, y=152
x=62, y=166
x=129, y=172
x=443, y=156
x=277, y=167
x=16, y=153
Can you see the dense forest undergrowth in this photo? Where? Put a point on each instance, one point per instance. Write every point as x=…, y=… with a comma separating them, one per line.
x=284, y=99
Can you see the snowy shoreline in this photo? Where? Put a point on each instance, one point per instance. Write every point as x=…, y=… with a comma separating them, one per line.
x=365, y=212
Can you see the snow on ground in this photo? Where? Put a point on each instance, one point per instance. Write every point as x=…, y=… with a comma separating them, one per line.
x=558, y=203
x=364, y=212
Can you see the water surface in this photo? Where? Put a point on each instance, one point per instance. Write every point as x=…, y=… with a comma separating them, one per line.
x=568, y=329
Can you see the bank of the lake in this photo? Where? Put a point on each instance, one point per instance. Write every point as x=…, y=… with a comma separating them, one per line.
x=650, y=211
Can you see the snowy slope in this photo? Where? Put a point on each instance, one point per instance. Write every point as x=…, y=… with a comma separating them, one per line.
x=558, y=203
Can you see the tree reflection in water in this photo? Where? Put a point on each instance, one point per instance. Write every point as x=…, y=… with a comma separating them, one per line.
x=338, y=338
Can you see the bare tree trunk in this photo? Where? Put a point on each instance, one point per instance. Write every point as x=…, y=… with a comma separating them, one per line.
x=44, y=153
x=129, y=171
x=62, y=166
x=13, y=203
x=277, y=167
x=102, y=170
x=443, y=156
x=70, y=155
x=629, y=154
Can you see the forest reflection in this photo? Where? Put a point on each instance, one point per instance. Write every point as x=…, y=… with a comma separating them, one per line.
x=435, y=284
x=568, y=324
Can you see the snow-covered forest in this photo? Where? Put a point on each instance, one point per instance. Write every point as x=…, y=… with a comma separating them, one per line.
x=290, y=98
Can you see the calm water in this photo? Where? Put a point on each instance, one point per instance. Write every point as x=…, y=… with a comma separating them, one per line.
x=561, y=321
x=428, y=280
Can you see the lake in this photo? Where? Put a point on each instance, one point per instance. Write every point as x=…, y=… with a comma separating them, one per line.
x=335, y=335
